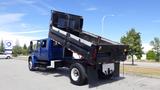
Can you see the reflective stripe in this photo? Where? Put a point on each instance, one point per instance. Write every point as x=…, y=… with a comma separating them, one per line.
x=81, y=40
x=104, y=39
x=73, y=36
x=112, y=42
x=58, y=30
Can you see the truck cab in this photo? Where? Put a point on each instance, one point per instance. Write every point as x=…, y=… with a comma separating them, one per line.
x=46, y=49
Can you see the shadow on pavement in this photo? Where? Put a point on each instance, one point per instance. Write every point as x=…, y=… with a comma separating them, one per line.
x=105, y=81
x=59, y=72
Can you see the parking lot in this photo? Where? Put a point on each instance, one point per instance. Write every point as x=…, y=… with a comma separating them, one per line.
x=14, y=75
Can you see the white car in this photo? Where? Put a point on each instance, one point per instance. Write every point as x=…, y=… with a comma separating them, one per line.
x=5, y=56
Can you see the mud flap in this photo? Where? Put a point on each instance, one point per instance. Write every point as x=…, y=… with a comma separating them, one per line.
x=117, y=70
x=92, y=76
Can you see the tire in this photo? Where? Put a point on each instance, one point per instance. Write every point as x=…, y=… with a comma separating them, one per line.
x=8, y=57
x=31, y=65
x=77, y=74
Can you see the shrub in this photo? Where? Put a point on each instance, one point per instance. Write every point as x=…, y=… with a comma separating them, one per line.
x=151, y=55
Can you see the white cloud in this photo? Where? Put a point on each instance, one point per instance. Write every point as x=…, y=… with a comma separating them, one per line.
x=91, y=9
x=43, y=7
x=24, y=25
x=14, y=21
x=28, y=32
x=146, y=47
x=38, y=5
x=23, y=39
x=10, y=18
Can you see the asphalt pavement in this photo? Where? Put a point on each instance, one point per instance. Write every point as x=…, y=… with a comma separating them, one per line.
x=14, y=75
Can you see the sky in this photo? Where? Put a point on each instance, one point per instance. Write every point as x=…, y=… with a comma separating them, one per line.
x=25, y=20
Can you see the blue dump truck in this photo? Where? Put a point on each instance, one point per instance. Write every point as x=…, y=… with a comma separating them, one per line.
x=87, y=56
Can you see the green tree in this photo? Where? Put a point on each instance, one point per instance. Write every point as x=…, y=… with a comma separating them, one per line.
x=133, y=39
x=2, y=49
x=151, y=55
x=25, y=50
x=24, y=47
x=156, y=47
x=17, y=50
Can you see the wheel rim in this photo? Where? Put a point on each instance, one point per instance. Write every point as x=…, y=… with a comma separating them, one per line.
x=75, y=74
x=30, y=64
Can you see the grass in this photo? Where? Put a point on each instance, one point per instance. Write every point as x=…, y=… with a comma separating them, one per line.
x=143, y=71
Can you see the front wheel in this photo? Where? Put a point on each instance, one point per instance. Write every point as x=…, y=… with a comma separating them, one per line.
x=31, y=65
x=77, y=74
x=8, y=57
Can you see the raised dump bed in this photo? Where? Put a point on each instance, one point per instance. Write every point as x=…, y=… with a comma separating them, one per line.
x=88, y=45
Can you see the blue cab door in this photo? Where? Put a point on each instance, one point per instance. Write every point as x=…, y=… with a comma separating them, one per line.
x=43, y=51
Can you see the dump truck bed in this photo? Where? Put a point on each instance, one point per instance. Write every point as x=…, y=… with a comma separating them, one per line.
x=86, y=43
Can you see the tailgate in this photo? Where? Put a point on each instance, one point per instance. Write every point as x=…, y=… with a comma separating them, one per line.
x=111, y=53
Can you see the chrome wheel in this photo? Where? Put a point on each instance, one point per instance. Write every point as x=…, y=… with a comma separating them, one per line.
x=30, y=64
x=75, y=74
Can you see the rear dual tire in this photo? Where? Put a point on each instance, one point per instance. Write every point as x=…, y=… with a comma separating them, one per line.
x=77, y=74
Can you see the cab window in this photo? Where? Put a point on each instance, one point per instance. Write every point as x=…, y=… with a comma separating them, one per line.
x=44, y=43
